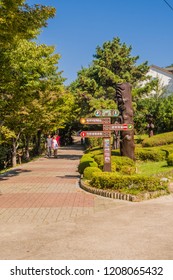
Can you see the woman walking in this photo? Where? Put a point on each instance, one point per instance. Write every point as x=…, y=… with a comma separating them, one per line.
x=55, y=146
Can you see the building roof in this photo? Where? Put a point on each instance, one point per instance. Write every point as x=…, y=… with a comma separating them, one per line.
x=168, y=70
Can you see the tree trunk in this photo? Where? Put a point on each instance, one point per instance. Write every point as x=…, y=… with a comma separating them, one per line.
x=27, y=148
x=38, y=143
x=124, y=100
x=14, y=152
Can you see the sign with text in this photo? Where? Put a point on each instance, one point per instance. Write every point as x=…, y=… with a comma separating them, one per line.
x=107, y=153
x=87, y=134
x=95, y=120
x=107, y=113
x=123, y=126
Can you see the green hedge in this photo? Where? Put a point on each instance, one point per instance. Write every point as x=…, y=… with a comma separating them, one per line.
x=121, y=161
x=150, y=154
x=86, y=162
x=99, y=160
x=86, y=156
x=158, y=140
x=94, y=151
x=89, y=171
x=129, y=184
x=118, y=163
x=170, y=160
x=123, y=169
x=124, y=165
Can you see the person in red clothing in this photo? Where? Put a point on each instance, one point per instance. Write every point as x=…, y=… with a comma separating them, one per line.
x=58, y=139
x=54, y=146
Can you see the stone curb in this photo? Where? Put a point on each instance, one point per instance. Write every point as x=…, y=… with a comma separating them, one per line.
x=117, y=195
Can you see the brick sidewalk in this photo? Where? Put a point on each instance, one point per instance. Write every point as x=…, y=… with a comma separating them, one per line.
x=45, y=215
x=45, y=190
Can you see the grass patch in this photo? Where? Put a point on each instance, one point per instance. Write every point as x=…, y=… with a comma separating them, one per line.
x=153, y=168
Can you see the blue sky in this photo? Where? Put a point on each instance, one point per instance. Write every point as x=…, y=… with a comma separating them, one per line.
x=81, y=25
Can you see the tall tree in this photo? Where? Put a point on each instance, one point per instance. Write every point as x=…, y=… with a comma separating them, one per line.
x=32, y=91
x=20, y=21
x=113, y=63
x=30, y=84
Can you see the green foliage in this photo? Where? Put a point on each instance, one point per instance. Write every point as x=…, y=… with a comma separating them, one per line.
x=122, y=161
x=87, y=162
x=33, y=99
x=170, y=160
x=160, y=108
x=128, y=170
x=94, y=142
x=20, y=21
x=89, y=171
x=116, y=152
x=5, y=134
x=127, y=184
x=158, y=140
x=124, y=165
x=4, y=156
x=149, y=154
x=95, y=151
x=99, y=160
x=95, y=86
x=86, y=157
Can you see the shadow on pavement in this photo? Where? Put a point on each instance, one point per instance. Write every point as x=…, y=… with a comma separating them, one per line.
x=15, y=172
x=68, y=157
x=69, y=176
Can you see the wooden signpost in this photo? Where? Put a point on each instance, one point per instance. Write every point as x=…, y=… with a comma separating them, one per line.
x=95, y=120
x=118, y=127
x=97, y=134
x=106, y=113
x=105, y=133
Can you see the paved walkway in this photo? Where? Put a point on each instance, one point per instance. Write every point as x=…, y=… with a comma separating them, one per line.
x=45, y=215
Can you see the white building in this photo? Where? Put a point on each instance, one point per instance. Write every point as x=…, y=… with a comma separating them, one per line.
x=165, y=77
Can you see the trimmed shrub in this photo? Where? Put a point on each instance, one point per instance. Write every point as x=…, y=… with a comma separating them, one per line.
x=128, y=170
x=89, y=171
x=86, y=163
x=86, y=157
x=121, y=161
x=99, y=160
x=94, y=151
x=118, y=163
x=150, y=154
x=158, y=140
x=123, y=169
x=128, y=184
x=170, y=160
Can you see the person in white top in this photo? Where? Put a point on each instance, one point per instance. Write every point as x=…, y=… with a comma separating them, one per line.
x=54, y=146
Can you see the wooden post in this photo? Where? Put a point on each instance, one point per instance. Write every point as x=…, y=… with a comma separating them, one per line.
x=107, y=154
x=124, y=100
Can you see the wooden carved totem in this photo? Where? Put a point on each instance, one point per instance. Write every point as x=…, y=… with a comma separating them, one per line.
x=124, y=102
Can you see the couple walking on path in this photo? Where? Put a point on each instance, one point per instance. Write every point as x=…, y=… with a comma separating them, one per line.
x=52, y=143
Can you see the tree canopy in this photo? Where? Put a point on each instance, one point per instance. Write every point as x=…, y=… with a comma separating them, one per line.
x=113, y=63
x=20, y=21
x=32, y=95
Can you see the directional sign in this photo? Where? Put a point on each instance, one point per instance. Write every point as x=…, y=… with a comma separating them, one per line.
x=95, y=121
x=123, y=126
x=87, y=134
x=107, y=113
x=107, y=149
